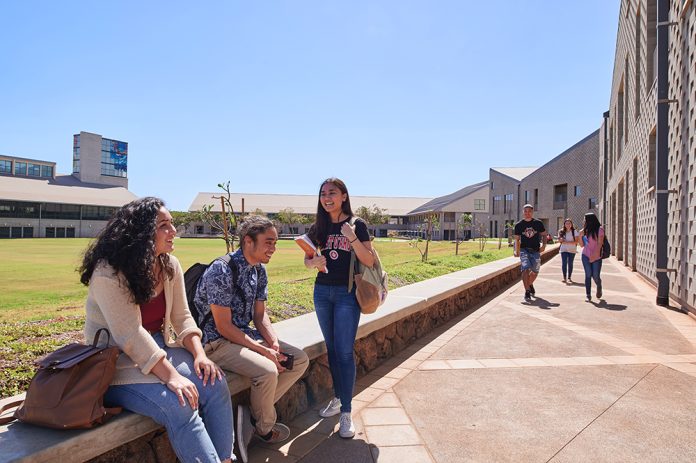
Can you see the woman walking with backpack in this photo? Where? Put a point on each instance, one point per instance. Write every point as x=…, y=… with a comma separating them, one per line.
x=592, y=239
x=337, y=307
x=568, y=237
x=136, y=291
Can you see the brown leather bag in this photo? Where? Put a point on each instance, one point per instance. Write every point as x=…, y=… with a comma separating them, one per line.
x=67, y=392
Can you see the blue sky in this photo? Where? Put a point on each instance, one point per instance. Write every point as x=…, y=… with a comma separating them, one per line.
x=398, y=98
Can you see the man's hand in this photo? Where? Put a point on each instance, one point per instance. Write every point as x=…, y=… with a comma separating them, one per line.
x=275, y=345
x=275, y=357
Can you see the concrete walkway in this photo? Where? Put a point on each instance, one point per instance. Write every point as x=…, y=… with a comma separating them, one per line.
x=558, y=379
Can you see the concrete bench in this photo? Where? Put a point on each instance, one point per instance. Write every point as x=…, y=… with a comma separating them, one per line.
x=20, y=442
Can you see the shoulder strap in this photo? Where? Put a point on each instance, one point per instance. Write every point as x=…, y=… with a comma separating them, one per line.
x=8, y=406
x=227, y=258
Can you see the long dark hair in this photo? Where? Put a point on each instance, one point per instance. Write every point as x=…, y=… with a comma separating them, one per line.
x=562, y=231
x=127, y=244
x=591, y=227
x=319, y=231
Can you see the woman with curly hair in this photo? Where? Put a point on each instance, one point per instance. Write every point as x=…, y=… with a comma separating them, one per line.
x=136, y=291
x=337, y=308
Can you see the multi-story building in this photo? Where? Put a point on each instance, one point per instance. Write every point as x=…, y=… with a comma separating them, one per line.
x=648, y=153
x=449, y=209
x=35, y=202
x=564, y=187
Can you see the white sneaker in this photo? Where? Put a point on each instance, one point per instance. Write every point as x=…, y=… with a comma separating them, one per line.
x=245, y=431
x=333, y=408
x=346, y=428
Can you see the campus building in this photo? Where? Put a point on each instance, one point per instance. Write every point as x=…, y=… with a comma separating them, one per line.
x=647, y=159
x=448, y=210
x=35, y=202
x=271, y=205
x=565, y=187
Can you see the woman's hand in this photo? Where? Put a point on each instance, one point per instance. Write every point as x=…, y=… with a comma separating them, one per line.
x=348, y=231
x=184, y=390
x=206, y=369
x=318, y=262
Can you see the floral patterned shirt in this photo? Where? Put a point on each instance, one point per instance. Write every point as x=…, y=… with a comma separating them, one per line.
x=216, y=287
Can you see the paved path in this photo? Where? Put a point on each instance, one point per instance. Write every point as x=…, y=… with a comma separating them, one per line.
x=558, y=379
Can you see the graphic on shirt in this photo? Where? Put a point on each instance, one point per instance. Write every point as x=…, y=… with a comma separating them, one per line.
x=337, y=242
x=333, y=254
x=529, y=232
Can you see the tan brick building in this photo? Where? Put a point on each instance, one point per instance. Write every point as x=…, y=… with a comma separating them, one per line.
x=647, y=162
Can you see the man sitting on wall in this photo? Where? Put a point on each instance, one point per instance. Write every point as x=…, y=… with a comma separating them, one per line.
x=236, y=295
x=530, y=236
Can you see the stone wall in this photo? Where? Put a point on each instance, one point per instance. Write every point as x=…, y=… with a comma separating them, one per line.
x=371, y=349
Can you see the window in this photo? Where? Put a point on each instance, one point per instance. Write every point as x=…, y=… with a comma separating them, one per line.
x=536, y=198
x=496, y=204
x=34, y=170
x=199, y=229
x=652, y=157
x=560, y=196
x=492, y=186
x=70, y=232
x=526, y=196
x=5, y=166
x=637, y=57
x=479, y=204
x=61, y=211
x=577, y=191
x=651, y=49
x=60, y=232
x=76, y=154
x=28, y=232
x=50, y=232
x=620, y=124
x=114, y=158
x=19, y=210
x=449, y=217
x=592, y=203
x=4, y=232
x=20, y=168
x=47, y=171
x=97, y=212
x=507, y=205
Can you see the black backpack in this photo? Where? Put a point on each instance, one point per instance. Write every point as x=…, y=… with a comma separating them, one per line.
x=606, y=248
x=191, y=278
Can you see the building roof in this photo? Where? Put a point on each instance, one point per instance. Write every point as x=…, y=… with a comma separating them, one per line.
x=303, y=204
x=439, y=203
x=64, y=189
x=516, y=173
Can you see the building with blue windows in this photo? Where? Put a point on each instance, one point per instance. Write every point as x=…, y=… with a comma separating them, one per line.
x=35, y=202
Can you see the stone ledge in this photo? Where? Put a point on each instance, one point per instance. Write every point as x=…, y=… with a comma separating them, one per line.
x=409, y=313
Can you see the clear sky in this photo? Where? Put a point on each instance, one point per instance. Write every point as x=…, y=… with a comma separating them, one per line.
x=398, y=98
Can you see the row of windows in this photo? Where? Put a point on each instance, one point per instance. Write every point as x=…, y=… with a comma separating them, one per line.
x=16, y=232
x=560, y=199
x=29, y=169
x=26, y=210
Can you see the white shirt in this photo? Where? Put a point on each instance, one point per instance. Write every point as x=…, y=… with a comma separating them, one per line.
x=569, y=247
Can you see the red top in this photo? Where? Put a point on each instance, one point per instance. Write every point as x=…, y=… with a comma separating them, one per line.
x=152, y=313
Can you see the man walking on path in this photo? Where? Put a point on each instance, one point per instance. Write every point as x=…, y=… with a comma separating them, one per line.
x=236, y=294
x=530, y=242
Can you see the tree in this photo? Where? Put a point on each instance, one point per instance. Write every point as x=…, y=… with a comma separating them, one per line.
x=464, y=224
x=182, y=219
x=482, y=235
x=431, y=223
x=373, y=215
x=224, y=222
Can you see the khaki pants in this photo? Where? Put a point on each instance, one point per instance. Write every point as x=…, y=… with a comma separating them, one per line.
x=267, y=386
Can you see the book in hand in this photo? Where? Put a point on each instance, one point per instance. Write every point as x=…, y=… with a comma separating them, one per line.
x=308, y=247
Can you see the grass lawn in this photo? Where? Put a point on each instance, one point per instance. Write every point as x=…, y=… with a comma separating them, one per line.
x=41, y=298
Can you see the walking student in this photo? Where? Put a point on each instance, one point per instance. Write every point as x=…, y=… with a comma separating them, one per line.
x=592, y=239
x=136, y=291
x=337, y=308
x=236, y=295
x=530, y=242
x=568, y=237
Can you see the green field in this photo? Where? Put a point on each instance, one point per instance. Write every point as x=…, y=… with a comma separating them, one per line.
x=41, y=298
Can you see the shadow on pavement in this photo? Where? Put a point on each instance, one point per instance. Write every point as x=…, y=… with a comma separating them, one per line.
x=602, y=304
x=543, y=303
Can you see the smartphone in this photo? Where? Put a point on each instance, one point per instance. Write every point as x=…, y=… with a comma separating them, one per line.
x=289, y=361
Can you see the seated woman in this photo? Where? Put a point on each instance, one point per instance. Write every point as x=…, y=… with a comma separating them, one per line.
x=136, y=291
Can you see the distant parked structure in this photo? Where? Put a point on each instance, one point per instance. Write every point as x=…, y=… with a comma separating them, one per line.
x=449, y=209
x=566, y=186
x=35, y=202
x=648, y=153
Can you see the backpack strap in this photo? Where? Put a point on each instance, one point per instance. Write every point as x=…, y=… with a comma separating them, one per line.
x=354, y=263
x=227, y=258
x=9, y=406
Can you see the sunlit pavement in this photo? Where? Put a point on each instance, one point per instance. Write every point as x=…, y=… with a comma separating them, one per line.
x=558, y=379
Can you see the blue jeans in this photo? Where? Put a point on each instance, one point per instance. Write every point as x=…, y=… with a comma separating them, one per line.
x=206, y=435
x=567, y=259
x=592, y=272
x=338, y=314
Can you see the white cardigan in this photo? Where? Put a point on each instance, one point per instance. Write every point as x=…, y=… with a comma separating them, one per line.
x=110, y=305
